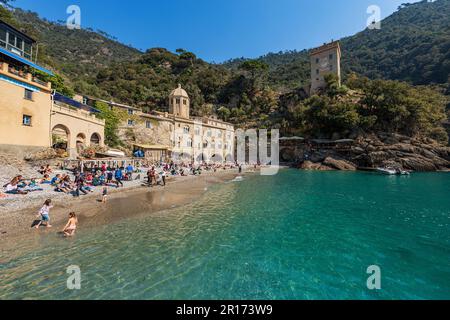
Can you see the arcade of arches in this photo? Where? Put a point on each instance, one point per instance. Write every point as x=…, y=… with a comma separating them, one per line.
x=75, y=131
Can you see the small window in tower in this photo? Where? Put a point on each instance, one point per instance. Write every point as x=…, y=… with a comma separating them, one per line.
x=184, y=101
x=331, y=56
x=178, y=101
x=317, y=60
x=26, y=120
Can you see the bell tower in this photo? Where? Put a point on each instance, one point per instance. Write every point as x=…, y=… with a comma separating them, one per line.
x=179, y=103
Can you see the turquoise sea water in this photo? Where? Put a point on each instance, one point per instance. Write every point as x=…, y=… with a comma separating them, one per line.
x=297, y=235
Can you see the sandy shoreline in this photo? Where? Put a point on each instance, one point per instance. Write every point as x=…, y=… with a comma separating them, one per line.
x=122, y=203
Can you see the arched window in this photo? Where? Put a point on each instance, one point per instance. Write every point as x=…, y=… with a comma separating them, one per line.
x=95, y=139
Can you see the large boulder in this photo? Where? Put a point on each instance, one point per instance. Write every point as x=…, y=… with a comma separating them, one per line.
x=339, y=164
x=309, y=165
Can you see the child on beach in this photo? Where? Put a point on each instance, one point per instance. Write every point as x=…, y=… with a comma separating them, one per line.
x=44, y=214
x=104, y=194
x=71, y=226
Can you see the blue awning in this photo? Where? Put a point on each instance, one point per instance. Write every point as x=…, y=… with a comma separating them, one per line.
x=25, y=61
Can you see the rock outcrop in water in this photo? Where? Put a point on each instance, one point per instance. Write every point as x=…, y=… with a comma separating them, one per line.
x=374, y=151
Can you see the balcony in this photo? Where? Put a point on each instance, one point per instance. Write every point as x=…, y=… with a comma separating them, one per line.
x=20, y=75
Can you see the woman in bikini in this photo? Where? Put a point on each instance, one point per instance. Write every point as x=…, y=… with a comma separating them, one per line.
x=71, y=226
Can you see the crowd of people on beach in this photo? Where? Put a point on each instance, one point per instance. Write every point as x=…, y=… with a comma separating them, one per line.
x=82, y=181
x=77, y=181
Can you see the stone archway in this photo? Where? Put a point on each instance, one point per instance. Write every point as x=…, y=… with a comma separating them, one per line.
x=81, y=142
x=95, y=139
x=61, y=137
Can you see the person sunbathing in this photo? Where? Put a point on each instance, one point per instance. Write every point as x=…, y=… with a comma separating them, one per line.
x=63, y=187
x=14, y=189
x=55, y=180
x=89, y=179
x=46, y=179
x=32, y=186
x=48, y=170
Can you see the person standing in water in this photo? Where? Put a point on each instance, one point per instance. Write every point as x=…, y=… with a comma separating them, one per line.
x=104, y=194
x=71, y=226
x=44, y=214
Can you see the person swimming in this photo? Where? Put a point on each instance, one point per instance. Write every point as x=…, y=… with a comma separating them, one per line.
x=71, y=226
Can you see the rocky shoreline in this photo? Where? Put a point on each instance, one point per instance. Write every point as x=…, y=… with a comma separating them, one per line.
x=381, y=150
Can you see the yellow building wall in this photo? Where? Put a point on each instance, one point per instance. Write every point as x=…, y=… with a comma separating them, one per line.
x=13, y=106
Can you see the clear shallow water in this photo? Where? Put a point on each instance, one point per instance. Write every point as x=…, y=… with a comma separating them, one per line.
x=298, y=235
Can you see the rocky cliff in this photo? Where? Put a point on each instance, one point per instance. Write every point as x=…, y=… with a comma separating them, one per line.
x=374, y=151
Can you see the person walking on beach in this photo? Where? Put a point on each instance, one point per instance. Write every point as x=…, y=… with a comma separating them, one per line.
x=119, y=177
x=71, y=226
x=130, y=171
x=109, y=177
x=44, y=214
x=163, y=177
x=105, y=195
x=79, y=181
x=149, y=177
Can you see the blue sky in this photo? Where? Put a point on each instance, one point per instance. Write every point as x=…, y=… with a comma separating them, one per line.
x=217, y=30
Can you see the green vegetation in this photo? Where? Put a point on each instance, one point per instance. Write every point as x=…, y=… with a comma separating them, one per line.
x=113, y=118
x=371, y=106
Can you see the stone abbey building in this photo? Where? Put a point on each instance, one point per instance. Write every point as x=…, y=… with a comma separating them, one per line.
x=176, y=134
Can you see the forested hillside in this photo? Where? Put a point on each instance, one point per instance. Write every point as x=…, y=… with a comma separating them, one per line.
x=412, y=45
